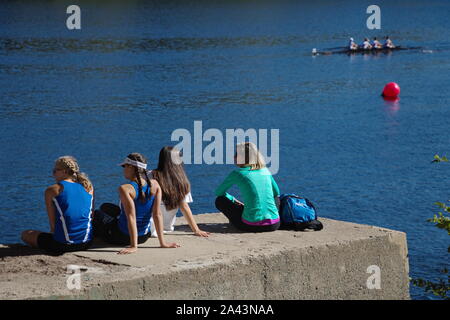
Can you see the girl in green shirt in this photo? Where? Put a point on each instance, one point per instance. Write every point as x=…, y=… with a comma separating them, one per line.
x=260, y=193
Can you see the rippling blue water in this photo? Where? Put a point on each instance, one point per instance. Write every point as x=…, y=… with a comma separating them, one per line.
x=139, y=70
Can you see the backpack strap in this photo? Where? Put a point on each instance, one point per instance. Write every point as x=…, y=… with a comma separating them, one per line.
x=309, y=203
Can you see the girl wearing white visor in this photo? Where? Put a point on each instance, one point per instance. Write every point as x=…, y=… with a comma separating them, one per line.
x=140, y=199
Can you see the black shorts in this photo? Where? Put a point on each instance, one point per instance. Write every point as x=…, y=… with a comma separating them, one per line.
x=106, y=226
x=46, y=242
x=113, y=235
x=233, y=211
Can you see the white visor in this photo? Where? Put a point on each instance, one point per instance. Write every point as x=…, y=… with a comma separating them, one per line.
x=133, y=163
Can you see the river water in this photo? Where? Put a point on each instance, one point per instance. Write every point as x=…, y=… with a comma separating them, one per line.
x=137, y=71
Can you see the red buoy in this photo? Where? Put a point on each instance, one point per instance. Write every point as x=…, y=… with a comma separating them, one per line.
x=391, y=90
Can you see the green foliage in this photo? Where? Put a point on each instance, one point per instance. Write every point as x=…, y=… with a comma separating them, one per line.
x=441, y=221
x=439, y=159
x=439, y=289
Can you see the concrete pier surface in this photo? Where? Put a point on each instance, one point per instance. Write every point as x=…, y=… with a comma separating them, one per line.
x=342, y=261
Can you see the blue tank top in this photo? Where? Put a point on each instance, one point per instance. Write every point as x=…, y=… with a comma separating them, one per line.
x=73, y=219
x=143, y=212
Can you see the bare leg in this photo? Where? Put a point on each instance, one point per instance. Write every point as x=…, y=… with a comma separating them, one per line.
x=30, y=237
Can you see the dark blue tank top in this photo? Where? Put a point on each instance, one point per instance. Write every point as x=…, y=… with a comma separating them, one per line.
x=73, y=220
x=143, y=212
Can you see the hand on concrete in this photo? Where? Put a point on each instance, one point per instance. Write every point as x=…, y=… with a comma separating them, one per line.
x=127, y=250
x=200, y=233
x=170, y=245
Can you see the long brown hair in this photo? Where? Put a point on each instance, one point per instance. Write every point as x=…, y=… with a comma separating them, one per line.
x=171, y=177
x=139, y=172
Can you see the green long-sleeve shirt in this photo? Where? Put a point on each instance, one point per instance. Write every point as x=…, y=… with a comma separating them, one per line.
x=258, y=189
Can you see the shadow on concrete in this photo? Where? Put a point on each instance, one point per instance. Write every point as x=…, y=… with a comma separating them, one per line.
x=210, y=227
x=21, y=250
x=99, y=243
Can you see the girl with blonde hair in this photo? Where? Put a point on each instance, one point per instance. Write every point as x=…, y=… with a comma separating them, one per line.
x=260, y=193
x=69, y=205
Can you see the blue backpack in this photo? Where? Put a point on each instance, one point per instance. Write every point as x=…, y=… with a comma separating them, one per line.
x=298, y=213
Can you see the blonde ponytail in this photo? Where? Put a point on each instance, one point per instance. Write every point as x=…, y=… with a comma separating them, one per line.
x=83, y=179
x=70, y=165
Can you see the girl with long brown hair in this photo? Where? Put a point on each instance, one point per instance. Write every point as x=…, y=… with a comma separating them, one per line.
x=176, y=190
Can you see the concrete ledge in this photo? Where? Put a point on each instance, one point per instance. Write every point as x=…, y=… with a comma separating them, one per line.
x=329, y=264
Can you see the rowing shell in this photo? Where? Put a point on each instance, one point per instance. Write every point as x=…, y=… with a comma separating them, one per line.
x=364, y=51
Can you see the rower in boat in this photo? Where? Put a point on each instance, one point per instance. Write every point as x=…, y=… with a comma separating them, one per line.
x=366, y=44
x=388, y=43
x=376, y=44
x=352, y=45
